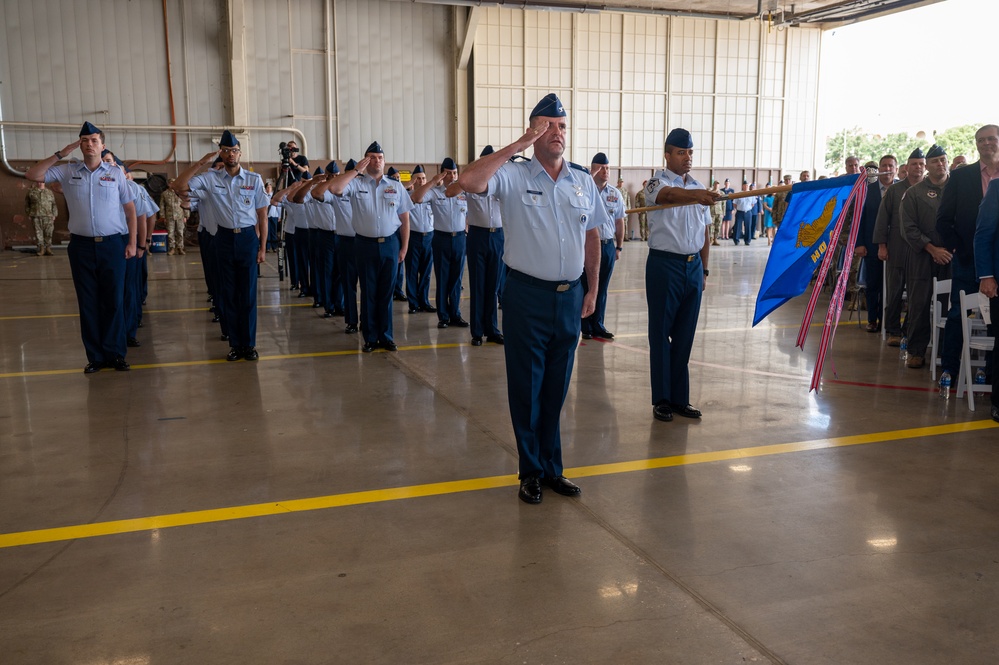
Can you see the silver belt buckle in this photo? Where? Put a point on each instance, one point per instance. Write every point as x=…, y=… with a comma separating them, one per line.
x=381, y=240
x=98, y=238
x=562, y=287
x=237, y=230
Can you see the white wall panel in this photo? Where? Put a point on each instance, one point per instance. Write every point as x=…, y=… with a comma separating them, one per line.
x=395, y=63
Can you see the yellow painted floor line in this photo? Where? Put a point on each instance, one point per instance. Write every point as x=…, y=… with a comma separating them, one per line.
x=223, y=361
x=456, y=486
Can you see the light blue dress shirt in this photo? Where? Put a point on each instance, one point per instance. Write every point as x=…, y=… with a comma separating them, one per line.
x=611, y=198
x=94, y=198
x=545, y=221
x=484, y=211
x=344, y=213
x=320, y=215
x=450, y=214
x=421, y=217
x=678, y=230
x=376, y=206
x=233, y=200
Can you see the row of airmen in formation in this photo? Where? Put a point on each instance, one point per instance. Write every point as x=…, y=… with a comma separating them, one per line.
x=562, y=228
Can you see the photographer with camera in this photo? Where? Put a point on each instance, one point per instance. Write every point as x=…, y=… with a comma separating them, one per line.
x=293, y=163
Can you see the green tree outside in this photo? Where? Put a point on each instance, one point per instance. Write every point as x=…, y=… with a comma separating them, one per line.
x=871, y=147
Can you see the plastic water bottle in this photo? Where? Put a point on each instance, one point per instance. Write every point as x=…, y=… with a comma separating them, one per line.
x=980, y=377
x=903, y=349
x=945, y=385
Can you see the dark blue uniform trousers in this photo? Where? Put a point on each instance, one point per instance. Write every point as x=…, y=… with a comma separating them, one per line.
x=541, y=327
x=377, y=267
x=608, y=256
x=673, y=290
x=400, y=275
x=302, y=262
x=237, y=260
x=314, y=265
x=449, y=262
x=132, y=300
x=346, y=259
x=291, y=259
x=874, y=270
x=325, y=260
x=743, y=220
x=98, y=270
x=204, y=246
x=210, y=264
x=419, y=264
x=485, y=268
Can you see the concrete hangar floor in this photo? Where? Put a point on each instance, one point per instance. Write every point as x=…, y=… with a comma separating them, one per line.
x=326, y=506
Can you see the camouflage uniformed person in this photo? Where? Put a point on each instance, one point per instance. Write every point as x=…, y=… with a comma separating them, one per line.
x=175, y=217
x=643, y=220
x=717, y=213
x=626, y=199
x=40, y=206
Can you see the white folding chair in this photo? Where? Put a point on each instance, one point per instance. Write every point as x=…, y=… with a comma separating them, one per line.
x=941, y=287
x=975, y=339
x=859, y=290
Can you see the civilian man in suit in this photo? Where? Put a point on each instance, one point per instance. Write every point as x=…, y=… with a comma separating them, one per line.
x=867, y=249
x=956, y=219
x=986, y=244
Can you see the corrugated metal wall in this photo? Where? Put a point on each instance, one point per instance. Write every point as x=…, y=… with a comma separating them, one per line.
x=105, y=61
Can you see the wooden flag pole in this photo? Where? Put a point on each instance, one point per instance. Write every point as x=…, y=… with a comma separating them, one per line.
x=737, y=195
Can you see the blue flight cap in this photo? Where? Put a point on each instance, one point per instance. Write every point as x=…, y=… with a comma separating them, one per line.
x=550, y=107
x=105, y=152
x=228, y=140
x=600, y=158
x=350, y=165
x=374, y=147
x=418, y=169
x=448, y=164
x=680, y=138
x=89, y=129
x=488, y=150
x=935, y=151
x=306, y=176
x=391, y=171
x=319, y=171
x=332, y=168
x=218, y=160
x=917, y=154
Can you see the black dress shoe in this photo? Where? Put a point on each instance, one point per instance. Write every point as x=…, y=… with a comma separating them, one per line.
x=562, y=485
x=119, y=364
x=369, y=347
x=400, y=298
x=530, y=489
x=223, y=337
x=995, y=411
x=430, y=309
x=131, y=341
x=685, y=410
x=495, y=339
x=459, y=323
x=302, y=294
x=604, y=334
x=442, y=324
x=350, y=329
x=251, y=354
x=414, y=310
x=388, y=345
x=662, y=412
x=338, y=311
x=97, y=365
x=234, y=354
x=215, y=319
x=328, y=315
x=476, y=341
x=316, y=305
x=587, y=335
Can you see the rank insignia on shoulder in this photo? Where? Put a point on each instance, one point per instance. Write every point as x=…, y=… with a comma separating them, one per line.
x=579, y=168
x=653, y=183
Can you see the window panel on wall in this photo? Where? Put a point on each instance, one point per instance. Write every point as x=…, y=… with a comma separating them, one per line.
x=598, y=43
x=735, y=132
x=500, y=118
x=644, y=53
x=499, y=48
x=771, y=122
x=692, y=63
x=693, y=113
x=597, y=123
x=799, y=134
x=642, y=133
x=774, y=49
x=738, y=57
x=548, y=49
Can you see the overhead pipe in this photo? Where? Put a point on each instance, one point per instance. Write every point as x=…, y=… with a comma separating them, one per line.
x=579, y=7
x=139, y=128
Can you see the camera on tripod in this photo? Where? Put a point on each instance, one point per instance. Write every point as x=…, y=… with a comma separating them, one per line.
x=286, y=154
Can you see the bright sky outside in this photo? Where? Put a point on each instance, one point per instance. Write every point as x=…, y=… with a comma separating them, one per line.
x=925, y=69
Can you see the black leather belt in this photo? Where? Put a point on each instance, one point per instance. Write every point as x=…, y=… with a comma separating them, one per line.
x=485, y=229
x=673, y=255
x=367, y=239
x=543, y=283
x=74, y=236
x=238, y=229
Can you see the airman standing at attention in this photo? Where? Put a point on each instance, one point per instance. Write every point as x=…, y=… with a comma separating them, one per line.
x=611, y=245
x=485, y=264
x=175, y=216
x=420, y=258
